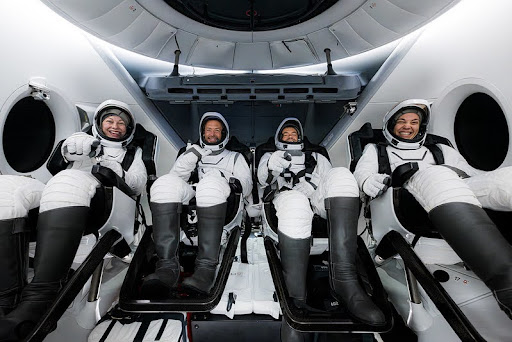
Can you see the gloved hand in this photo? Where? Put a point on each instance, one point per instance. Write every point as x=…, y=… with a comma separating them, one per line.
x=79, y=146
x=376, y=184
x=305, y=187
x=279, y=161
x=187, y=162
x=113, y=165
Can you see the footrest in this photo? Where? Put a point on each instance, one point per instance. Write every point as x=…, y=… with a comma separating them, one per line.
x=131, y=300
x=318, y=320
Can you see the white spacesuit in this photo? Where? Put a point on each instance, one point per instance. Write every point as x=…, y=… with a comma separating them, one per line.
x=64, y=206
x=215, y=166
x=454, y=204
x=306, y=184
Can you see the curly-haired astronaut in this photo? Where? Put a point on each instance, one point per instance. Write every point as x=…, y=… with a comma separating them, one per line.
x=307, y=184
x=454, y=204
x=215, y=165
x=63, y=208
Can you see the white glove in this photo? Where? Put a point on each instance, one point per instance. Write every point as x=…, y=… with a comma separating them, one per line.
x=279, y=161
x=113, y=165
x=305, y=187
x=187, y=162
x=79, y=146
x=376, y=184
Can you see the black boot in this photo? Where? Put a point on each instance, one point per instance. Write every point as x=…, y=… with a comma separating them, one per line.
x=14, y=241
x=288, y=334
x=166, y=235
x=210, y=221
x=342, y=217
x=294, y=255
x=479, y=243
x=59, y=232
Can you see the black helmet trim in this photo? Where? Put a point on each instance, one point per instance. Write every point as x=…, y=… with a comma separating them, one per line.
x=218, y=146
x=417, y=106
x=285, y=145
x=422, y=131
x=114, y=111
x=106, y=109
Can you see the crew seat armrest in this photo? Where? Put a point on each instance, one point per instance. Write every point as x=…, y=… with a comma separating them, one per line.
x=56, y=162
x=235, y=185
x=402, y=174
x=107, y=177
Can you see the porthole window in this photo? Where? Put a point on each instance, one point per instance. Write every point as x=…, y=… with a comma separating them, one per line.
x=481, y=132
x=28, y=135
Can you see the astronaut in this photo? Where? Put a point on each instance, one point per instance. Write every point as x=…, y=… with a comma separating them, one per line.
x=63, y=210
x=307, y=184
x=215, y=165
x=454, y=204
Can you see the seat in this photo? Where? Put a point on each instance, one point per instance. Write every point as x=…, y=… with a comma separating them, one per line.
x=398, y=210
x=144, y=259
x=269, y=218
x=113, y=220
x=398, y=224
x=326, y=315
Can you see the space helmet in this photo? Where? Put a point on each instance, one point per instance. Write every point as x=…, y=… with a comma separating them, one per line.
x=221, y=144
x=117, y=108
x=417, y=106
x=289, y=146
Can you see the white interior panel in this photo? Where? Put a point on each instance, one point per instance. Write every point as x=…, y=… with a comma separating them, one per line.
x=158, y=38
x=291, y=52
x=250, y=56
x=393, y=17
x=139, y=30
x=212, y=52
x=424, y=8
x=182, y=41
x=349, y=39
x=82, y=10
x=369, y=29
x=371, y=24
x=116, y=20
x=320, y=40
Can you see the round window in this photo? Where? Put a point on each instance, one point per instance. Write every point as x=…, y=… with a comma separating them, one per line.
x=481, y=132
x=28, y=135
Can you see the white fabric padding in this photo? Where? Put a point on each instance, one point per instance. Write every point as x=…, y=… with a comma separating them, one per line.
x=212, y=189
x=294, y=213
x=263, y=291
x=493, y=189
x=18, y=195
x=251, y=283
x=437, y=185
x=69, y=188
x=239, y=283
x=171, y=188
x=127, y=332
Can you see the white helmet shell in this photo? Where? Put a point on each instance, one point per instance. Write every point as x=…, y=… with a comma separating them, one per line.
x=287, y=146
x=116, y=108
x=219, y=146
x=419, y=106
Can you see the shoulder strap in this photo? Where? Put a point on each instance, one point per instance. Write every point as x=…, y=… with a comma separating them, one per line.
x=383, y=159
x=128, y=157
x=437, y=153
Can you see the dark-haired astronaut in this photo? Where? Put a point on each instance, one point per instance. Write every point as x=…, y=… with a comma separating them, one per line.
x=453, y=204
x=307, y=184
x=63, y=209
x=215, y=165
